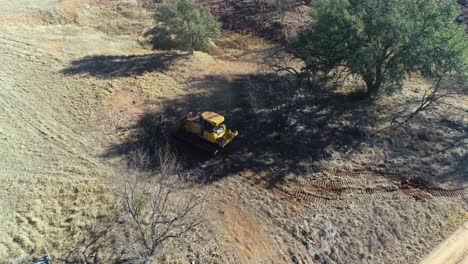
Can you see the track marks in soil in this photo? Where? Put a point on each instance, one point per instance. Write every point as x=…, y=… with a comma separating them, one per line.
x=359, y=186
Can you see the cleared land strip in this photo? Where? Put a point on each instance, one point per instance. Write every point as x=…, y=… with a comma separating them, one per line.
x=454, y=250
x=50, y=176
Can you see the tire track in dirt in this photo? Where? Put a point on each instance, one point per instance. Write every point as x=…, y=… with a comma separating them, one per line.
x=350, y=188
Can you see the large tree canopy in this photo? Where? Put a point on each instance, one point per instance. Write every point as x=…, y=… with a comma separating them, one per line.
x=192, y=24
x=383, y=40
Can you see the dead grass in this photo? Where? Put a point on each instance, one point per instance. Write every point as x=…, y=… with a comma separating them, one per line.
x=430, y=146
x=380, y=231
x=53, y=183
x=53, y=180
x=235, y=46
x=114, y=18
x=56, y=127
x=70, y=8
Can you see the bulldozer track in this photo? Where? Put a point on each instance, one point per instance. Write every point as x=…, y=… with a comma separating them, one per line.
x=348, y=189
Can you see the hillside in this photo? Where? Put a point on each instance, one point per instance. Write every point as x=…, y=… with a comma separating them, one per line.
x=271, y=19
x=276, y=20
x=76, y=94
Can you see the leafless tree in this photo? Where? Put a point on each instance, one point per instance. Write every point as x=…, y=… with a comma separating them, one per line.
x=434, y=94
x=156, y=208
x=281, y=62
x=152, y=209
x=275, y=89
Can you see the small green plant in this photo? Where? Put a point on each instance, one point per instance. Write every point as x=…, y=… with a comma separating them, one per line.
x=141, y=203
x=191, y=25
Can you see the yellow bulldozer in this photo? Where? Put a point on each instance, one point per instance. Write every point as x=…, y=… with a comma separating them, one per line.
x=206, y=131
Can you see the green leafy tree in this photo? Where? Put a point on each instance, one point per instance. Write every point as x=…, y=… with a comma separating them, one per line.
x=382, y=41
x=191, y=24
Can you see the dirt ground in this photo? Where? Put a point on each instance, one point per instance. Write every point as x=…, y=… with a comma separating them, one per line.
x=452, y=250
x=72, y=92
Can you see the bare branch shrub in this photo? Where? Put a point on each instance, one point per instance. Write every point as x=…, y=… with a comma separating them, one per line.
x=274, y=90
x=280, y=62
x=151, y=139
x=157, y=213
x=152, y=209
x=433, y=95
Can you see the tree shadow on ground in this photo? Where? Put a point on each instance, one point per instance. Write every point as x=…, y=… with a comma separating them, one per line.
x=260, y=144
x=324, y=127
x=111, y=66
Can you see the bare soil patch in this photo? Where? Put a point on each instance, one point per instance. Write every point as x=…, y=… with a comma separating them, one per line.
x=246, y=234
x=453, y=250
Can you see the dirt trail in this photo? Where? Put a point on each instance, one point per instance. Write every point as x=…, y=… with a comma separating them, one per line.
x=244, y=232
x=453, y=250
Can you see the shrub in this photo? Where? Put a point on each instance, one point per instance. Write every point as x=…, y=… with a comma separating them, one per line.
x=383, y=41
x=191, y=25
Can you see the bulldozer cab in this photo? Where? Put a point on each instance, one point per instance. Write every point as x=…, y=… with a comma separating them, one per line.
x=212, y=126
x=207, y=125
x=212, y=118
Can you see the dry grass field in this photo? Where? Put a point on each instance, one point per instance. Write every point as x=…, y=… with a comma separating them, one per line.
x=52, y=179
x=74, y=83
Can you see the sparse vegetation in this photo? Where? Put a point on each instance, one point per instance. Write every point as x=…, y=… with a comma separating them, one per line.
x=152, y=210
x=88, y=166
x=157, y=215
